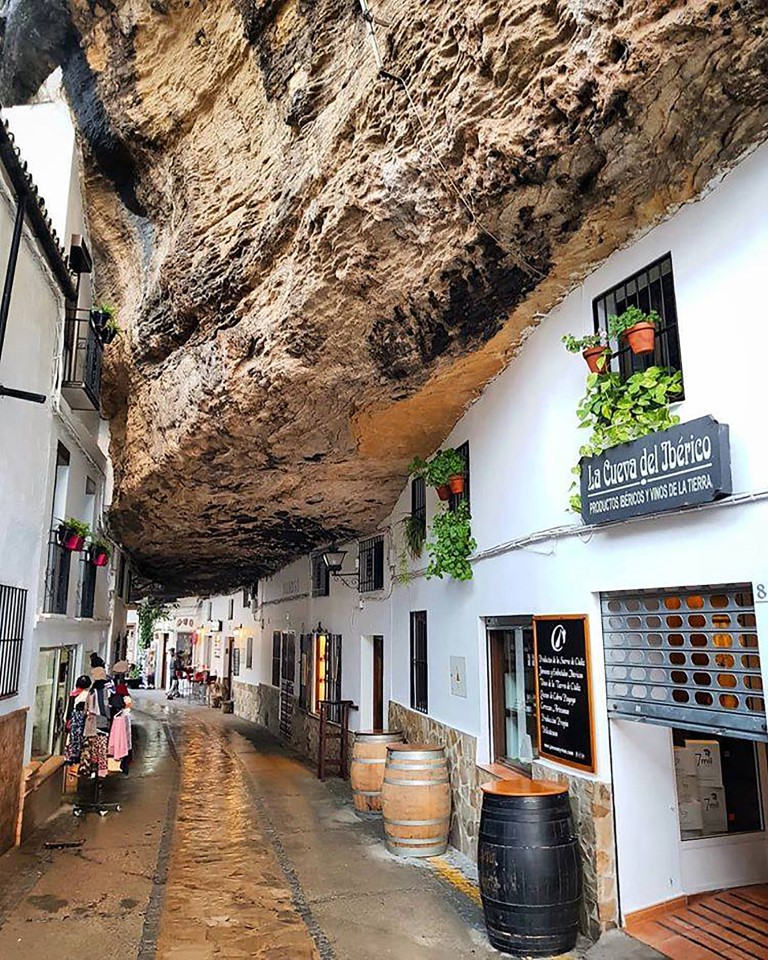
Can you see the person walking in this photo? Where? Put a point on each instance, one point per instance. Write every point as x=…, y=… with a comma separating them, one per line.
x=177, y=672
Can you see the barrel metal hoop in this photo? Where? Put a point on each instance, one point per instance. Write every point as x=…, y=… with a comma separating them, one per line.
x=366, y=760
x=416, y=823
x=415, y=766
x=367, y=793
x=418, y=841
x=418, y=755
x=416, y=783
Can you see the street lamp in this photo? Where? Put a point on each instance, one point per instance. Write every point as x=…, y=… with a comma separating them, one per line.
x=334, y=560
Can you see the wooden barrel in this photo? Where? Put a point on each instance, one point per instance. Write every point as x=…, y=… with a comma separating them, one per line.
x=416, y=800
x=530, y=869
x=369, y=755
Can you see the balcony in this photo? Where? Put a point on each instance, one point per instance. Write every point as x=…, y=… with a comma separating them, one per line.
x=56, y=574
x=81, y=385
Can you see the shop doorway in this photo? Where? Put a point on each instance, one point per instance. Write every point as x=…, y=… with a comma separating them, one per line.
x=512, y=686
x=55, y=677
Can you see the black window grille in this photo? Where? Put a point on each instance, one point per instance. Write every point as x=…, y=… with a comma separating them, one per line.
x=289, y=657
x=209, y=614
x=652, y=288
x=276, y=658
x=321, y=576
x=371, y=564
x=56, y=574
x=333, y=674
x=13, y=606
x=231, y=609
x=419, y=504
x=419, y=667
x=88, y=572
x=235, y=661
x=456, y=498
x=246, y=597
x=305, y=669
x=82, y=358
x=249, y=653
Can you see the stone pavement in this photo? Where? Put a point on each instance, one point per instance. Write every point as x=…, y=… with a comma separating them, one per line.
x=229, y=847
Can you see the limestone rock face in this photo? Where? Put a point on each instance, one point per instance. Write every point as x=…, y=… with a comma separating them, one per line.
x=318, y=266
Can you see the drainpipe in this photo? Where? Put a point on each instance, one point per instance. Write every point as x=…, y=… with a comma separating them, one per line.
x=5, y=303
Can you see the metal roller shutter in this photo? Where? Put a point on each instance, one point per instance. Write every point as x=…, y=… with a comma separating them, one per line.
x=687, y=658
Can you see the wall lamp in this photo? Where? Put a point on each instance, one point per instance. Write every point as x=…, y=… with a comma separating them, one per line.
x=334, y=560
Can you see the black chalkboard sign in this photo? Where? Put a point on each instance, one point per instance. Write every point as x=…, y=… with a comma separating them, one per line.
x=563, y=691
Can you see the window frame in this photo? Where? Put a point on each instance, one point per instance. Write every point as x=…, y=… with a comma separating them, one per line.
x=497, y=699
x=276, y=658
x=370, y=572
x=419, y=678
x=320, y=576
x=667, y=350
x=231, y=608
x=419, y=504
x=456, y=498
x=249, y=652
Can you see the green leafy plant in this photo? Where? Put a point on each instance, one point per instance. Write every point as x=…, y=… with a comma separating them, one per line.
x=439, y=470
x=617, y=325
x=107, y=308
x=618, y=412
x=417, y=467
x=452, y=544
x=403, y=575
x=580, y=344
x=76, y=527
x=113, y=326
x=413, y=529
x=149, y=612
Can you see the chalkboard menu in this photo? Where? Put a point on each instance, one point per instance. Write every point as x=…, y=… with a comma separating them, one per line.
x=563, y=690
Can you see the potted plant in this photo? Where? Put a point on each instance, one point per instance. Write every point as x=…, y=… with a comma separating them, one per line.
x=452, y=545
x=445, y=472
x=432, y=473
x=101, y=314
x=593, y=348
x=99, y=551
x=638, y=327
x=414, y=535
x=73, y=533
x=110, y=330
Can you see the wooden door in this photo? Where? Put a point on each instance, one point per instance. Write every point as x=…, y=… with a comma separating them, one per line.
x=378, y=683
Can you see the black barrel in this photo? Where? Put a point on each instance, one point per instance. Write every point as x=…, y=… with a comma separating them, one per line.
x=530, y=869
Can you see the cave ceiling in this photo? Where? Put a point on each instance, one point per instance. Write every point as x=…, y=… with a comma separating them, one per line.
x=319, y=266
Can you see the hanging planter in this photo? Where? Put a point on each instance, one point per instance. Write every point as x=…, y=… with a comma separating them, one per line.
x=99, y=317
x=593, y=348
x=73, y=534
x=637, y=327
x=444, y=472
x=99, y=554
x=443, y=491
x=456, y=483
x=110, y=331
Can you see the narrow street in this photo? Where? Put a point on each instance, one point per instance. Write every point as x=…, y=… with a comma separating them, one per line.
x=226, y=846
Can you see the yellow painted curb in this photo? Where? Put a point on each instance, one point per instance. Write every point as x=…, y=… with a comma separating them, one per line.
x=456, y=878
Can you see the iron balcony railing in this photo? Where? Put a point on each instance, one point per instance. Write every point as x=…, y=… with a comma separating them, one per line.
x=83, y=351
x=87, y=586
x=13, y=603
x=57, y=574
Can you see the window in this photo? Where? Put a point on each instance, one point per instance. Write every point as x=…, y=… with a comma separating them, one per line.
x=650, y=289
x=326, y=672
x=419, y=660
x=305, y=670
x=235, y=661
x=120, y=575
x=371, y=564
x=209, y=611
x=456, y=498
x=13, y=604
x=249, y=652
x=419, y=504
x=512, y=684
x=246, y=598
x=231, y=609
x=321, y=576
x=276, y=658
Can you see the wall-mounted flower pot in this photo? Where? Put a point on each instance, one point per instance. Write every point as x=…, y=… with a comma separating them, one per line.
x=597, y=358
x=108, y=334
x=444, y=491
x=72, y=541
x=99, y=318
x=99, y=558
x=641, y=338
x=456, y=483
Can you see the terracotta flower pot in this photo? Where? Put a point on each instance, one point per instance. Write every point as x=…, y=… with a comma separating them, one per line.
x=72, y=541
x=444, y=491
x=100, y=558
x=456, y=483
x=641, y=337
x=593, y=357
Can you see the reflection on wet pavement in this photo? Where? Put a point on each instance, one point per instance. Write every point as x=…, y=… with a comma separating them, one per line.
x=226, y=895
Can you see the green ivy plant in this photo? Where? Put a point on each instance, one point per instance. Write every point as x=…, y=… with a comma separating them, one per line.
x=149, y=612
x=413, y=529
x=580, y=344
x=439, y=470
x=618, y=412
x=452, y=544
x=617, y=325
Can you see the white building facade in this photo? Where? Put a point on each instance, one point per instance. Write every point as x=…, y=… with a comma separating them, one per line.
x=669, y=607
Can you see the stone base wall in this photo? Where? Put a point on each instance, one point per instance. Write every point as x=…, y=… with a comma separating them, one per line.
x=591, y=801
x=12, y=730
x=259, y=703
x=461, y=751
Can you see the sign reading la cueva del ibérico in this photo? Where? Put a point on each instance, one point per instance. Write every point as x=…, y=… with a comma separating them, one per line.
x=683, y=466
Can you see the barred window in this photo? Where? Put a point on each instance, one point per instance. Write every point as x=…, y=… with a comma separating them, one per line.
x=231, y=609
x=419, y=504
x=13, y=605
x=276, y=658
x=249, y=652
x=371, y=564
x=456, y=498
x=652, y=288
x=235, y=661
x=321, y=576
x=419, y=666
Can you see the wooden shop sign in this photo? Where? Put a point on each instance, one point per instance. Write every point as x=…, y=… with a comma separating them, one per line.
x=687, y=464
x=563, y=690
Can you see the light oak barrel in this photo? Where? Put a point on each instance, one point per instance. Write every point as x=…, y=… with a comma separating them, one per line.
x=369, y=756
x=416, y=800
